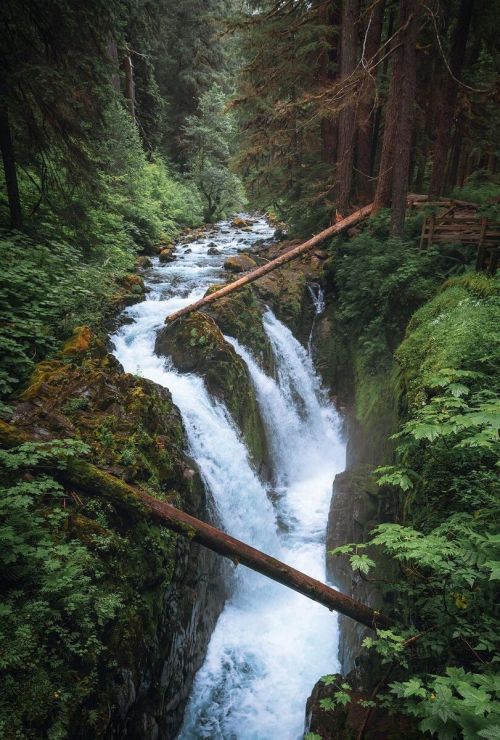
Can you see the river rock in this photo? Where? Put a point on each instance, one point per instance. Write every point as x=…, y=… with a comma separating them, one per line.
x=280, y=235
x=143, y=262
x=241, y=223
x=239, y=263
x=213, y=250
x=167, y=255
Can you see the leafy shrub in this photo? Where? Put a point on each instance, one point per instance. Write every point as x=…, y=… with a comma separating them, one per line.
x=446, y=546
x=47, y=290
x=380, y=282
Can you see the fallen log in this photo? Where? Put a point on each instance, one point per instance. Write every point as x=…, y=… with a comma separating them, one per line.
x=93, y=480
x=250, y=277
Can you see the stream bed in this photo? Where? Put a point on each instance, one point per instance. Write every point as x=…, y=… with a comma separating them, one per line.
x=270, y=644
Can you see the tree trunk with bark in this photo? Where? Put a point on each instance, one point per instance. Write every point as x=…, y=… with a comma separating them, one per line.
x=9, y=165
x=136, y=502
x=366, y=113
x=293, y=254
x=406, y=106
x=392, y=183
x=329, y=17
x=449, y=99
x=382, y=198
x=347, y=118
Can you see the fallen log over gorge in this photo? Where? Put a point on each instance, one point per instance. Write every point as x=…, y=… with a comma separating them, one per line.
x=97, y=482
x=250, y=277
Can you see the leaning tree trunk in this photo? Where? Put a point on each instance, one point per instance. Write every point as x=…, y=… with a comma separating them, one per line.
x=137, y=504
x=366, y=114
x=347, y=119
x=9, y=165
x=283, y=259
x=405, y=124
x=449, y=100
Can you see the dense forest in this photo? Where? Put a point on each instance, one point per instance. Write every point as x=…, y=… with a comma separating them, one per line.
x=128, y=126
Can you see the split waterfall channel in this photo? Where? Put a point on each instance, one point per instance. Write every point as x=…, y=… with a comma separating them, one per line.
x=270, y=644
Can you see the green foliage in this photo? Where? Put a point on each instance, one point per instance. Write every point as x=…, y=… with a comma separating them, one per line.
x=455, y=704
x=380, y=282
x=59, y=605
x=210, y=142
x=47, y=290
x=67, y=274
x=446, y=546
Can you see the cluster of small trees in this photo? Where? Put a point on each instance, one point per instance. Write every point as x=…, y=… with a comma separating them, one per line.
x=65, y=65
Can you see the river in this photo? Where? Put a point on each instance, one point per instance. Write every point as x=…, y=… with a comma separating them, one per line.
x=270, y=644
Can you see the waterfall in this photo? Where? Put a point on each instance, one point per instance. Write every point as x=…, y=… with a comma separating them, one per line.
x=270, y=644
x=318, y=299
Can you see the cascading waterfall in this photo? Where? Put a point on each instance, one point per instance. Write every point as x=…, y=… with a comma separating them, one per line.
x=318, y=299
x=270, y=644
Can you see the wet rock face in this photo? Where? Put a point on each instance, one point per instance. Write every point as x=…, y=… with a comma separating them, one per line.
x=171, y=590
x=167, y=255
x=196, y=344
x=353, y=513
x=239, y=315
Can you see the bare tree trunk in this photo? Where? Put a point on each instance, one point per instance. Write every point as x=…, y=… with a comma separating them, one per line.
x=9, y=165
x=366, y=114
x=449, y=99
x=347, y=130
x=112, y=54
x=128, y=68
x=406, y=116
x=138, y=503
x=250, y=277
x=329, y=17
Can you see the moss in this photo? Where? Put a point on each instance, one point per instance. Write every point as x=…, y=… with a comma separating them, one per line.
x=457, y=329
x=136, y=434
x=49, y=371
x=239, y=315
x=196, y=344
x=79, y=342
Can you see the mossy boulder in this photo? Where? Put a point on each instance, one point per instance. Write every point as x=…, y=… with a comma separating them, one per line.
x=286, y=288
x=239, y=315
x=239, y=263
x=130, y=289
x=135, y=678
x=196, y=344
x=241, y=223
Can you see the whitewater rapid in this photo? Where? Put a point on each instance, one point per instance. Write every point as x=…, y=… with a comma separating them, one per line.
x=270, y=644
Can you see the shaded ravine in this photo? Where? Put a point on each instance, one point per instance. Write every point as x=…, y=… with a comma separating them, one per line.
x=270, y=644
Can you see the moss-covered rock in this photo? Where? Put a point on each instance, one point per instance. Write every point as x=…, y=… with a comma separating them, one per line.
x=239, y=263
x=285, y=289
x=239, y=315
x=136, y=678
x=167, y=255
x=196, y=344
x=457, y=329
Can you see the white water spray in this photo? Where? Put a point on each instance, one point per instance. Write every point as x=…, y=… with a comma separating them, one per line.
x=270, y=644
